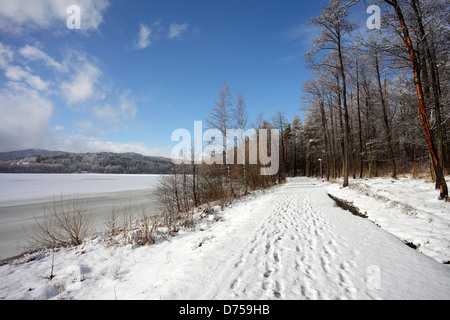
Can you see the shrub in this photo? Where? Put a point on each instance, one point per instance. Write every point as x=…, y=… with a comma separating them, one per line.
x=66, y=222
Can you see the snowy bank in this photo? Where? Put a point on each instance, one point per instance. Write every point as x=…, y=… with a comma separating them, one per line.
x=407, y=208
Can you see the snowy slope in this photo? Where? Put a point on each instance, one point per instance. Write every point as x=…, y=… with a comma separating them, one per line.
x=407, y=208
x=291, y=242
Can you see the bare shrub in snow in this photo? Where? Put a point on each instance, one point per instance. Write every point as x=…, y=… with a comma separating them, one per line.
x=67, y=222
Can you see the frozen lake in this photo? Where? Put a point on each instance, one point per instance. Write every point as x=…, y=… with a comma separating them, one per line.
x=23, y=198
x=27, y=187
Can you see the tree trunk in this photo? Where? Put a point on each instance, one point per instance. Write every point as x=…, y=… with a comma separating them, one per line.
x=346, y=118
x=341, y=123
x=434, y=81
x=194, y=183
x=325, y=133
x=440, y=178
x=386, y=120
x=361, y=160
x=333, y=144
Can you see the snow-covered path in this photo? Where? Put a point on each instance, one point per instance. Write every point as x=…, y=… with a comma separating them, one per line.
x=294, y=253
x=306, y=248
x=291, y=243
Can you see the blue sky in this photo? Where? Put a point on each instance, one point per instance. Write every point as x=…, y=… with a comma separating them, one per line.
x=138, y=70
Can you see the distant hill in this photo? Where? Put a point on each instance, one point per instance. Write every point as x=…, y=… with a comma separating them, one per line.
x=44, y=161
x=15, y=155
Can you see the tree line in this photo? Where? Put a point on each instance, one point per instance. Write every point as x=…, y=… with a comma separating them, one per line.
x=377, y=105
x=102, y=162
x=193, y=184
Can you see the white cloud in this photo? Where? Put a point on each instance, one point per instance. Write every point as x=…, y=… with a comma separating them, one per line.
x=120, y=114
x=18, y=16
x=148, y=34
x=16, y=73
x=82, y=84
x=86, y=143
x=127, y=105
x=87, y=128
x=26, y=105
x=107, y=113
x=144, y=37
x=6, y=55
x=25, y=117
x=177, y=30
x=304, y=34
x=76, y=78
x=35, y=54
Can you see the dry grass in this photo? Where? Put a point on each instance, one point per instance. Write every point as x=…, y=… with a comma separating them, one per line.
x=66, y=222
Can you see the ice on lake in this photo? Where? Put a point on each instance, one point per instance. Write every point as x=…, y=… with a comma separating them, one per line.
x=14, y=187
x=24, y=197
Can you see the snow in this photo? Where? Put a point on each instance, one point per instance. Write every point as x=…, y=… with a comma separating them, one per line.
x=407, y=208
x=290, y=242
x=24, y=196
x=19, y=187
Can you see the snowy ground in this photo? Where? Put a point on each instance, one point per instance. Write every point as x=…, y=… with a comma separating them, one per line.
x=291, y=242
x=407, y=208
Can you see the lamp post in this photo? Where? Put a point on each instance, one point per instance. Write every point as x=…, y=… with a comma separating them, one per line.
x=321, y=173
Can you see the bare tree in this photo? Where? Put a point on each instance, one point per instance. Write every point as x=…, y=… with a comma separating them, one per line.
x=241, y=119
x=437, y=164
x=335, y=26
x=296, y=133
x=221, y=118
x=384, y=106
x=383, y=114
x=279, y=120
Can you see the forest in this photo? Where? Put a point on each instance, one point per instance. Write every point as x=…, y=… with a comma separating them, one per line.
x=376, y=106
x=102, y=162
